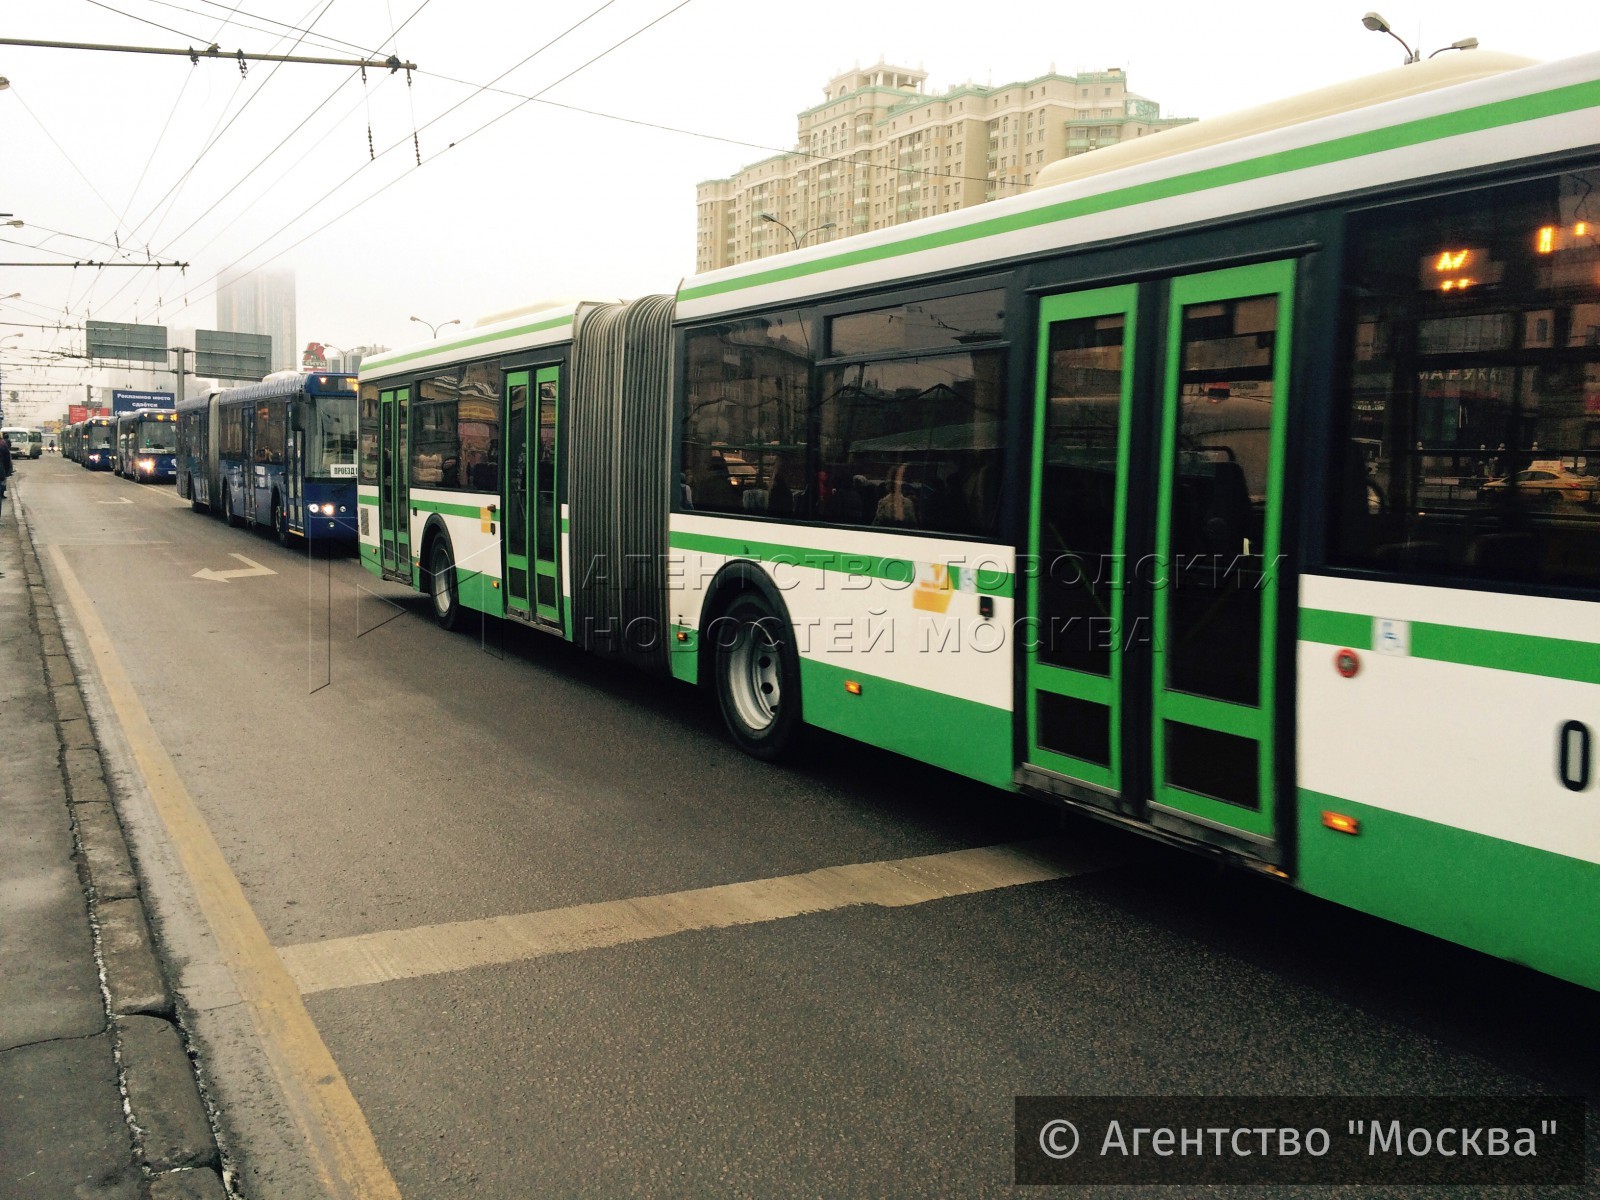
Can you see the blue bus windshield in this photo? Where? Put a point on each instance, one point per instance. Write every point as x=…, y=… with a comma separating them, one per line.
x=331, y=437
x=158, y=437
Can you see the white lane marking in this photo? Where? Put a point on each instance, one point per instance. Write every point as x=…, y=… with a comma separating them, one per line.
x=123, y=500
x=459, y=945
x=252, y=567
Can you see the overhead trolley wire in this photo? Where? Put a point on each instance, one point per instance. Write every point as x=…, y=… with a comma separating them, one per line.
x=189, y=297
x=214, y=138
x=250, y=173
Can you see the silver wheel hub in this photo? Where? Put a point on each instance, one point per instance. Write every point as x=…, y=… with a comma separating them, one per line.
x=441, y=583
x=755, y=677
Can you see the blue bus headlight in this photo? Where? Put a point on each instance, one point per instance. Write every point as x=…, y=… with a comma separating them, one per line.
x=147, y=464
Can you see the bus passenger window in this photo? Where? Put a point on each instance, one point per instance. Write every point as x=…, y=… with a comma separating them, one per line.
x=1471, y=330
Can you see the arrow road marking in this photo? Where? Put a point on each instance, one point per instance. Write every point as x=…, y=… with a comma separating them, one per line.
x=251, y=568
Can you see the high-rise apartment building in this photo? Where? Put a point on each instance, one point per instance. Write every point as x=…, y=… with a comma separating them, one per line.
x=880, y=151
x=262, y=302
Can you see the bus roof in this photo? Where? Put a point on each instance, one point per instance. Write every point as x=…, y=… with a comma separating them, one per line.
x=1327, y=150
x=537, y=325
x=285, y=383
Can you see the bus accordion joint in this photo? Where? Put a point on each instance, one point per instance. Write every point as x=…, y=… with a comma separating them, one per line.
x=1340, y=823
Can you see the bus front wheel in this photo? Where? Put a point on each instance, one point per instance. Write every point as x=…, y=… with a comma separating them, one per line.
x=757, y=677
x=442, y=584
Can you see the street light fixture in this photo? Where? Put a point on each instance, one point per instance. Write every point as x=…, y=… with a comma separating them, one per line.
x=432, y=328
x=1377, y=24
x=770, y=219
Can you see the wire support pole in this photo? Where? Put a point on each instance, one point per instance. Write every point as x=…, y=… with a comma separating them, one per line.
x=216, y=52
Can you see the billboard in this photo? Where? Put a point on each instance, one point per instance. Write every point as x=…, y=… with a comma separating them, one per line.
x=127, y=402
x=315, y=357
x=126, y=343
x=221, y=355
x=82, y=412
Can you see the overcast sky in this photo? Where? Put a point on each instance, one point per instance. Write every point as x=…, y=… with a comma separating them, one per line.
x=198, y=164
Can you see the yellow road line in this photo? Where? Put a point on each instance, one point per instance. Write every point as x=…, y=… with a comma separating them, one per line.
x=434, y=949
x=318, y=1099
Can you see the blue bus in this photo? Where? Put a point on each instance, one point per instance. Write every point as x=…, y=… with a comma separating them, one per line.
x=279, y=453
x=147, y=446
x=98, y=448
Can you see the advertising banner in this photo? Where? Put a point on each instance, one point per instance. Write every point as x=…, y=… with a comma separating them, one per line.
x=126, y=402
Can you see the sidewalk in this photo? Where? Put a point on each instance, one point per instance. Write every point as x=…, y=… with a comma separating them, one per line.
x=98, y=1099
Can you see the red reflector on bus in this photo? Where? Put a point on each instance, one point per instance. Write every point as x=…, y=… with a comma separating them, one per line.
x=851, y=686
x=1340, y=823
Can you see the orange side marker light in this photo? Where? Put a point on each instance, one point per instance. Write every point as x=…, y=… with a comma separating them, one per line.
x=1340, y=823
x=851, y=686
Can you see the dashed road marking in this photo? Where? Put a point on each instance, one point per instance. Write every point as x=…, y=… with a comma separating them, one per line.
x=460, y=945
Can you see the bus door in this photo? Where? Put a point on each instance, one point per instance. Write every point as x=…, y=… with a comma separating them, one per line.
x=394, y=514
x=1151, y=671
x=294, y=465
x=532, y=516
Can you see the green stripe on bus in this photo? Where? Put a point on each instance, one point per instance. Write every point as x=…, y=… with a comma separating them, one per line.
x=477, y=591
x=376, y=364
x=959, y=735
x=475, y=511
x=364, y=499
x=903, y=571
x=1410, y=133
x=1336, y=628
x=1530, y=906
x=685, y=655
x=1522, y=653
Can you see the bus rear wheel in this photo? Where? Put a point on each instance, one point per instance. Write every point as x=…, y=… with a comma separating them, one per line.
x=194, y=497
x=757, y=677
x=442, y=584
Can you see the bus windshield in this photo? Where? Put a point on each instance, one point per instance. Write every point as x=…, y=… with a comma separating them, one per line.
x=159, y=437
x=331, y=437
x=100, y=437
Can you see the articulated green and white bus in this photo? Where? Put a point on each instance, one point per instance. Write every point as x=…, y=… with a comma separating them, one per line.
x=1238, y=486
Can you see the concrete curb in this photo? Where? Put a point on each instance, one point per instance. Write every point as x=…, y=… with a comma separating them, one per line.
x=166, y=1110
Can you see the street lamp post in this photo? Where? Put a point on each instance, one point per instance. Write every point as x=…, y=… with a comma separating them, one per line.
x=3, y=338
x=1377, y=24
x=432, y=328
x=772, y=220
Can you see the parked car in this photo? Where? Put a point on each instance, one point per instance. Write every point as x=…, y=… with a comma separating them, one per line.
x=1547, y=482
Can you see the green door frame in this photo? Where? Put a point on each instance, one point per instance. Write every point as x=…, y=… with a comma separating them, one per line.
x=394, y=493
x=517, y=535
x=544, y=452
x=1242, y=723
x=1086, y=689
x=1146, y=695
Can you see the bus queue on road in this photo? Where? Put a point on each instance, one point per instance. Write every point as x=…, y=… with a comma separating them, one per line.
x=1189, y=490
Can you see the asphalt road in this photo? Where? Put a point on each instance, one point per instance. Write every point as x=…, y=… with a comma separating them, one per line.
x=360, y=772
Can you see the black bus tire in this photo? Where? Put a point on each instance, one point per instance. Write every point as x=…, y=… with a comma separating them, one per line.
x=757, y=672
x=227, y=508
x=441, y=583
